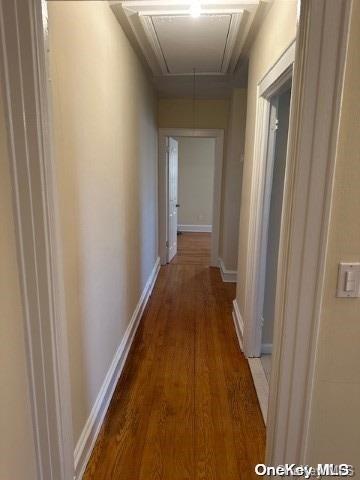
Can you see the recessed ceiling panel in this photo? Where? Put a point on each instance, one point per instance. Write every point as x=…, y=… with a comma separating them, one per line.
x=189, y=43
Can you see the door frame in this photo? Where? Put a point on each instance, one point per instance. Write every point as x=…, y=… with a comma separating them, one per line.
x=218, y=135
x=313, y=131
x=168, y=250
x=27, y=105
x=271, y=84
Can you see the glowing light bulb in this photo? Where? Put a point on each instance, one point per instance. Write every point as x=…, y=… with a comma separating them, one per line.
x=195, y=9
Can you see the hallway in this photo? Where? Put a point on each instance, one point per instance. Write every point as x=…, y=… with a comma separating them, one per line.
x=185, y=406
x=193, y=249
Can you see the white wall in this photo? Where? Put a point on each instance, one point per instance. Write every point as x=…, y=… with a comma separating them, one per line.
x=232, y=179
x=335, y=417
x=17, y=454
x=106, y=159
x=196, y=180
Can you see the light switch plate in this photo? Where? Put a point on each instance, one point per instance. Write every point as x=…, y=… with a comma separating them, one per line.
x=348, y=280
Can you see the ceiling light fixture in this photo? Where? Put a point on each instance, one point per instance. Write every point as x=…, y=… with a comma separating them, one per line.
x=195, y=9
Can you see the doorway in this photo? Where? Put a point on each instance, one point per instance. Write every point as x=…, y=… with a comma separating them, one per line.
x=274, y=189
x=270, y=154
x=189, y=188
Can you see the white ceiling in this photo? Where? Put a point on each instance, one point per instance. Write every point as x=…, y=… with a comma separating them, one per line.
x=174, y=44
x=192, y=43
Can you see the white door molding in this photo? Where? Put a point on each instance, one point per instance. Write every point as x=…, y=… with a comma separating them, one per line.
x=317, y=90
x=23, y=30
x=173, y=169
x=164, y=134
x=272, y=83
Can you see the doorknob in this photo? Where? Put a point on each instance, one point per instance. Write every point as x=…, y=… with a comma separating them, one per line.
x=177, y=205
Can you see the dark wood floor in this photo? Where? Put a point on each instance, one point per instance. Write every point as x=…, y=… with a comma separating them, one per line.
x=185, y=406
x=193, y=249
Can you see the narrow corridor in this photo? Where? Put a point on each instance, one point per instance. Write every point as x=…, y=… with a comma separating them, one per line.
x=185, y=406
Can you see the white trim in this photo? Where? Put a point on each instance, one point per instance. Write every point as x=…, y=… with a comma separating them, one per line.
x=137, y=17
x=162, y=7
x=148, y=26
x=314, y=122
x=93, y=424
x=282, y=64
x=229, y=276
x=266, y=348
x=230, y=43
x=195, y=228
x=218, y=135
x=278, y=75
x=261, y=385
x=23, y=30
x=239, y=324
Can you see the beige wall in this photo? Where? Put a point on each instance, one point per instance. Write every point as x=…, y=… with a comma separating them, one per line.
x=196, y=180
x=276, y=33
x=179, y=113
x=17, y=454
x=106, y=157
x=335, y=418
x=232, y=180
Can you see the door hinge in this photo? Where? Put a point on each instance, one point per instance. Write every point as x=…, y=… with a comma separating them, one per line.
x=167, y=243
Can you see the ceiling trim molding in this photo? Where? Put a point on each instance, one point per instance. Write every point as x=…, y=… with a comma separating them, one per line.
x=171, y=7
x=230, y=41
x=150, y=33
x=137, y=18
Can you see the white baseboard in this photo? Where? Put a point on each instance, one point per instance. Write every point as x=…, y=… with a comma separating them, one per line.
x=92, y=427
x=239, y=324
x=227, y=275
x=261, y=385
x=266, y=348
x=195, y=228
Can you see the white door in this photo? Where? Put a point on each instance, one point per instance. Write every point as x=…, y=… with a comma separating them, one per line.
x=173, y=198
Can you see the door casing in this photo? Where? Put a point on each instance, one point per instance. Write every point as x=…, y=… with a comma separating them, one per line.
x=271, y=85
x=172, y=166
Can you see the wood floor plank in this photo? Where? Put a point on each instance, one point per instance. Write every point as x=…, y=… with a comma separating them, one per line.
x=169, y=443
x=217, y=449
x=185, y=407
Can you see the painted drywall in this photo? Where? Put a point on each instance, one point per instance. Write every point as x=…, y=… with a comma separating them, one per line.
x=196, y=180
x=277, y=191
x=232, y=180
x=106, y=161
x=276, y=33
x=335, y=420
x=17, y=453
x=185, y=113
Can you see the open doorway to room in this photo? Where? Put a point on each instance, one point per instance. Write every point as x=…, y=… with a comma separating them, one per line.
x=190, y=172
x=270, y=153
x=195, y=179
x=274, y=189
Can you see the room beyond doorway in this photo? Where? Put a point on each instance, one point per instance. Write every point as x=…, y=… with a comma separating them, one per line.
x=196, y=166
x=166, y=212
